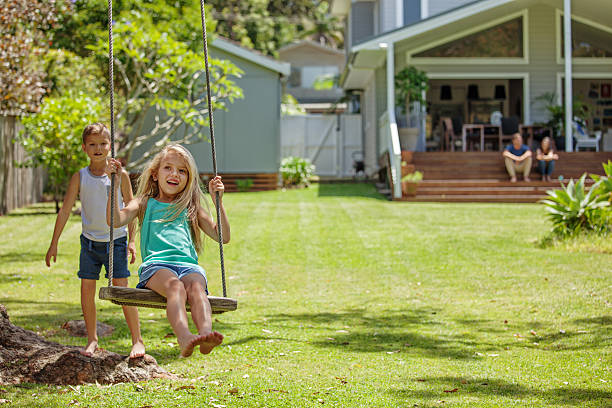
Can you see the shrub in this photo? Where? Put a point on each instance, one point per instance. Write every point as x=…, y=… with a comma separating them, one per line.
x=244, y=184
x=415, y=177
x=296, y=171
x=573, y=210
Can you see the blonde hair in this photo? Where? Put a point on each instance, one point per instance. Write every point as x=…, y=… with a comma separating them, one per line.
x=189, y=199
x=97, y=128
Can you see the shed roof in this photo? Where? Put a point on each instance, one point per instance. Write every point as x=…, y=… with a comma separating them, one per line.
x=255, y=57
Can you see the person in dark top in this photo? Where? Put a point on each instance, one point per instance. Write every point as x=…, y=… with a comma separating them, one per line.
x=518, y=158
x=546, y=157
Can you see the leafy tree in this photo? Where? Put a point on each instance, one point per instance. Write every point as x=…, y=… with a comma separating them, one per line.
x=267, y=25
x=160, y=88
x=264, y=25
x=68, y=72
x=89, y=22
x=23, y=38
x=52, y=137
x=324, y=28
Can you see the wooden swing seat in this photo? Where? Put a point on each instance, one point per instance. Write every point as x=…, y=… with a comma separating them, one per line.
x=147, y=298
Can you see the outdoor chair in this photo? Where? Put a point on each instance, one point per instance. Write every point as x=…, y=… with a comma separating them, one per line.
x=450, y=136
x=584, y=140
x=509, y=126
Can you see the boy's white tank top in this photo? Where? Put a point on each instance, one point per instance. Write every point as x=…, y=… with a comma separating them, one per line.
x=94, y=191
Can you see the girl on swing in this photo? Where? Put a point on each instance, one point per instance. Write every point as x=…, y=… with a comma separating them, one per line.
x=168, y=204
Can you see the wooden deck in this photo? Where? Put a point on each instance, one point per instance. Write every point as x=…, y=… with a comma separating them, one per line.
x=482, y=177
x=261, y=181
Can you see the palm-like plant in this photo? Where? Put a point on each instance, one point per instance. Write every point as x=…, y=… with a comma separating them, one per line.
x=573, y=209
x=605, y=186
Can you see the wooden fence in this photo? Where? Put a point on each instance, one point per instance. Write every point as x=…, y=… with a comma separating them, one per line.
x=18, y=186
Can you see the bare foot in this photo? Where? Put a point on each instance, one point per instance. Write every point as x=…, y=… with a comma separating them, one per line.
x=513, y=179
x=188, y=344
x=527, y=179
x=210, y=341
x=138, y=350
x=90, y=349
x=544, y=178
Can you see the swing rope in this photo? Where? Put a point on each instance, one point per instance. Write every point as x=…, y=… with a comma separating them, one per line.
x=111, y=88
x=112, y=131
x=212, y=144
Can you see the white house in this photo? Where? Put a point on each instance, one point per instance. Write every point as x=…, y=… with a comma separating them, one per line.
x=312, y=62
x=510, y=51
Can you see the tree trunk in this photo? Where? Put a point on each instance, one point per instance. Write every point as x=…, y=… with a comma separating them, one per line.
x=27, y=357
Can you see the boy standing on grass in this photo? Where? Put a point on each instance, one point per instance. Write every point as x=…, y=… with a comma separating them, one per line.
x=92, y=185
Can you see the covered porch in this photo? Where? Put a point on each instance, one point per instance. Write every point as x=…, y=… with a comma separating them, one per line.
x=482, y=177
x=486, y=62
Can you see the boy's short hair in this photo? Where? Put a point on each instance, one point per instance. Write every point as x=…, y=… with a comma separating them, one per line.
x=516, y=136
x=97, y=128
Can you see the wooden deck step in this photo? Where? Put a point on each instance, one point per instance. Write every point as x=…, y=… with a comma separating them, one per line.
x=489, y=165
x=467, y=190
x=484, y=198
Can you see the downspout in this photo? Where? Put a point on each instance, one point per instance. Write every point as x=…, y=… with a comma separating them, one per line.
x=395, y=152
x=569, y=97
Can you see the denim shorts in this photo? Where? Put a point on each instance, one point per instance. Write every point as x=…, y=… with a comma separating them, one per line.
x=145, y=273
x=94, y=254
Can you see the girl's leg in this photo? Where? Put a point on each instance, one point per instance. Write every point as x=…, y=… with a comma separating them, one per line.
x=542, y=169
x=168, y=285
x=550, y=169
x=131, y=318
x=201, y=312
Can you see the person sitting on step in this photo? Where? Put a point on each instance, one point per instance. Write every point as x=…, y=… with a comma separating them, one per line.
x=518, y=158
x=546, y=157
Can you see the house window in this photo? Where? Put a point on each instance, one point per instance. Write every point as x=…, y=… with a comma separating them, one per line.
x=587, y=41
x=312, y=73
x=362, y=20
x=295, y=77
x=501, y=41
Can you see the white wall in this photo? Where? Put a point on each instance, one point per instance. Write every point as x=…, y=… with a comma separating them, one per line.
x=440, y=6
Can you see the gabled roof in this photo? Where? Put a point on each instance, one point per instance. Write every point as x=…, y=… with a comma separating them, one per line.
x=311, y=44
x=428, y=24
x=596, y=10
x=255, y=57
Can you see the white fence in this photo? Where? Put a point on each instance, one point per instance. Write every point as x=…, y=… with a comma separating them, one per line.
x=332, y=142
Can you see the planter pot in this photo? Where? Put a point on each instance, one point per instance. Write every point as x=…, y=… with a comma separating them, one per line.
x=408, y=138
x=409, y=188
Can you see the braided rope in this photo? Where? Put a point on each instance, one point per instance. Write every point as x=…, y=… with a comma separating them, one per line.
x=112, y=131
x=111, y=85
x=212, y=145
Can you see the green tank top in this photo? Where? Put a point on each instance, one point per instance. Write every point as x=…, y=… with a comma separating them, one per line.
x=168, y=241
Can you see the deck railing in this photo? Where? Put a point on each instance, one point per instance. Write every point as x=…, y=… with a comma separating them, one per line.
x=389, y=142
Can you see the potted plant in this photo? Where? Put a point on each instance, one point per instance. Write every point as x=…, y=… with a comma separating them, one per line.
x=410, y=85
x=556, y=112
x=410, y=183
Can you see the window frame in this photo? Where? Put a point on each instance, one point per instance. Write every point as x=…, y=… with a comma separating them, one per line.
x=523, y=14
x=559, y=35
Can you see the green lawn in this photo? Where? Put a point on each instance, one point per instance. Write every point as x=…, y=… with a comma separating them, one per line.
x=349, y=300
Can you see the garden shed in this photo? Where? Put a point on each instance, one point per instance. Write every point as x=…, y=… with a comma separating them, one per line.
x=247, y=135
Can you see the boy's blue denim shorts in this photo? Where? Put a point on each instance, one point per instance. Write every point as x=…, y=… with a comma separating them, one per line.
x=145, y=273
x=94, y=254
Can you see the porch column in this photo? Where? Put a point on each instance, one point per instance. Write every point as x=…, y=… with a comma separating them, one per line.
x=569, y=97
